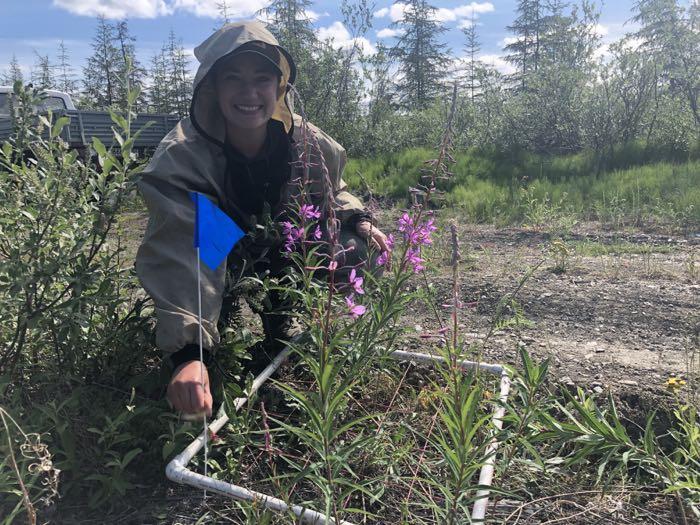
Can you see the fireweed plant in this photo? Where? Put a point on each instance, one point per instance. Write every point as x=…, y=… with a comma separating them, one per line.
x=350, y=325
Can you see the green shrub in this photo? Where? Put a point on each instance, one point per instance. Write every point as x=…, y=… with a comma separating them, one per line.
x=71, y=312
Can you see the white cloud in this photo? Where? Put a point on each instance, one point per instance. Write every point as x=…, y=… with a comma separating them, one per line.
x=395, y=12
x=116, y=8
x=442, y=14
x=476, y=8
x=314, y=16
x=600, y=30
x=381, y=13
x=335, y=31
x=342, y=39
x=388, y=32
x=510, y=40
x=445, y=15
x=498, y=62
x=208, y=8
x=463, y=24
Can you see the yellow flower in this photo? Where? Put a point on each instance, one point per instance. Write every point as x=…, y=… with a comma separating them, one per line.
x=675, y=383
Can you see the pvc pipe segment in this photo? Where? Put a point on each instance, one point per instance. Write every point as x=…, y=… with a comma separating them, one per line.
x=178, y=472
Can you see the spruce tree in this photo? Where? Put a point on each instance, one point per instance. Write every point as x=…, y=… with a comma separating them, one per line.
x=669, y=34
x=101, y=75
x=14, y=73
x=179, y=80
x=43, y=72
x=472, y=48
x=124, y=43
x=158, y=94
x=529, y=28
x=65, y=79
x=224, y=10
x=422, y=57
x=289, y=21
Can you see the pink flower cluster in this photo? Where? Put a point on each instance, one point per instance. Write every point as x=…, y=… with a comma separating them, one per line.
x=384, y=256
x=309, y=211
x=294, y=234
x=355, y=310
x=416, y=235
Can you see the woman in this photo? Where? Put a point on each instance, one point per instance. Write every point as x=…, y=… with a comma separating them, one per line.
x=235, y=147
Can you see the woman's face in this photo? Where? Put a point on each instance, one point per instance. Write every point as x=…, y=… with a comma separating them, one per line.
x=247, y=88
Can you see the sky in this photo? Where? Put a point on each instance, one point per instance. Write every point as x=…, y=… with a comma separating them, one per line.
x=28, y=27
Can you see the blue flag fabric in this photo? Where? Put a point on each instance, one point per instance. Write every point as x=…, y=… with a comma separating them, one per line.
x=215, y=233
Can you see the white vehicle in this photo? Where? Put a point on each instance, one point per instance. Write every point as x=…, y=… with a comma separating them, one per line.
x=54, y=100
x=84, y=125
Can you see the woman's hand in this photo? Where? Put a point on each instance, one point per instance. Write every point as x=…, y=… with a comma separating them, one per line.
x=187, y=394
x=367, y=230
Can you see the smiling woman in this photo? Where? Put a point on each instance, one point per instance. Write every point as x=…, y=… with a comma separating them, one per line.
x=239, y=148
x=248, y=85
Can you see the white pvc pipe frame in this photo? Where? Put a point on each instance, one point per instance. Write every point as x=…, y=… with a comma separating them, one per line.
x=177, y=469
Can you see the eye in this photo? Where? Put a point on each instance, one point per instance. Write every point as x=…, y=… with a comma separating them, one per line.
x=230, y=77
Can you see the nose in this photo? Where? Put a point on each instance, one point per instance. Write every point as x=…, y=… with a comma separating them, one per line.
x=248, y=89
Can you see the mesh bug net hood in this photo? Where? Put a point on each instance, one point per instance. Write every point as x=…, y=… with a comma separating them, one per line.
x=252, y=37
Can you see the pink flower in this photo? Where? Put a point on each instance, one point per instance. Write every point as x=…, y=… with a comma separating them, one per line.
x=317, y=233
x=293, y=234
x=308, y=211
x=382, y=259
x=355, y=310
x=405, y=222
x=333, y=265
x=390, y=241
x=413, y=258
x=416, y=234
x=356, y=282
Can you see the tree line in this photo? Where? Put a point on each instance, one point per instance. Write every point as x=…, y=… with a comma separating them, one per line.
x=567, y=92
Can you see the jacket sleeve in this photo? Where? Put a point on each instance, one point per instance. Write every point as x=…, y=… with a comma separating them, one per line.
x=347, y=206
x=166, y=261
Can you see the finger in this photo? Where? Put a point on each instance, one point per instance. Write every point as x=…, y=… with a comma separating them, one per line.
x=201, y=398
x=195, y=397
x=175, y=396
x=208, y=400
x=380, y=239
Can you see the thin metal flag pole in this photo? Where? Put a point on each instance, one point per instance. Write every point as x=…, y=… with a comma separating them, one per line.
x=201, y=364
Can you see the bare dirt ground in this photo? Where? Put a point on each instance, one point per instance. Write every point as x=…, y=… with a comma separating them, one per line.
x=626, y=319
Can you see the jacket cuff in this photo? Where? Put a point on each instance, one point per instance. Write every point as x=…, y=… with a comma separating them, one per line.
x=357, y=217
x=190, y=353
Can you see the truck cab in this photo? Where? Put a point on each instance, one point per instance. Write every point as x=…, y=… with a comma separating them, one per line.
x=85, y=125
x=52, y=100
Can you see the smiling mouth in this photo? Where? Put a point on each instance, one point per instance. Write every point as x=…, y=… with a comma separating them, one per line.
x=247, y=109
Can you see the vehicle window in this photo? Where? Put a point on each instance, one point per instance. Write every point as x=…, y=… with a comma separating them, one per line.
x=51, y=103
x=4, y=104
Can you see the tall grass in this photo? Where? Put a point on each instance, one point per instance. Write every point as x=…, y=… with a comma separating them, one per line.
x=490, y=187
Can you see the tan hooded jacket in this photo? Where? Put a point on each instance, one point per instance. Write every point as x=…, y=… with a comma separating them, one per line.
x=191, y=158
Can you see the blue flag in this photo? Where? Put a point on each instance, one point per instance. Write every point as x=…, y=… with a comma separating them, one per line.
x=215, y=233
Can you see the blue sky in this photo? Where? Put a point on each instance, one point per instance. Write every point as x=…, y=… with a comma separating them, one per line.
x=29, y=25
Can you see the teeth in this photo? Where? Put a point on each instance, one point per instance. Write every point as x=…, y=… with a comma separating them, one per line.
x=248, y=108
